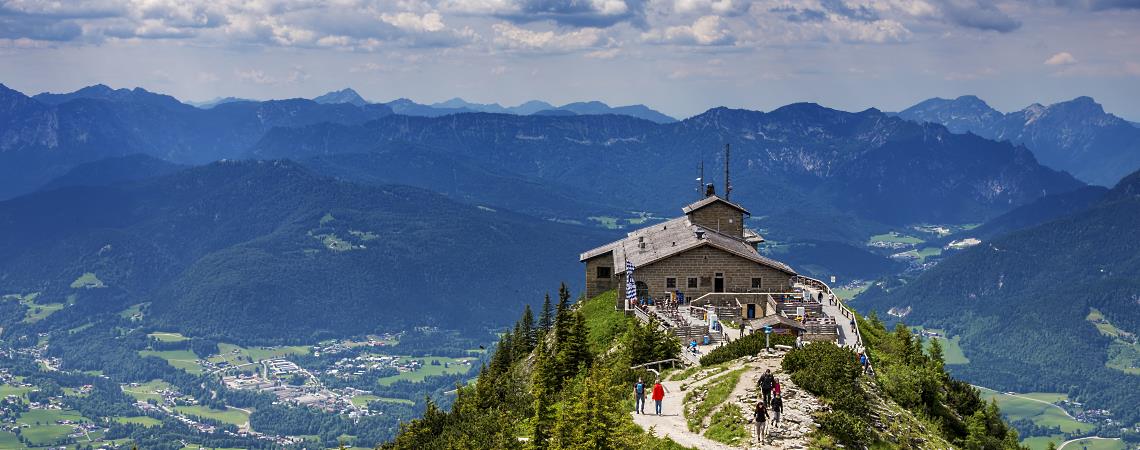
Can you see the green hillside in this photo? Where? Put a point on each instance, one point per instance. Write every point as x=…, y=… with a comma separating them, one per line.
x=237, y=249
x=1023, y=305
x=553, y=387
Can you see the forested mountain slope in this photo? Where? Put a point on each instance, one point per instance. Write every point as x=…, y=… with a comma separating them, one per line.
x=1020, y=303
x=267, y=251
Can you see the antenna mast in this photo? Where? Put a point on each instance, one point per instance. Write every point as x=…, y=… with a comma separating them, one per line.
x=727, y=184
x=701, y=179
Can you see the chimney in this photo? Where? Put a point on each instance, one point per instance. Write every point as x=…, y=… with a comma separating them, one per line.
x=700, y=234
x=710, y=190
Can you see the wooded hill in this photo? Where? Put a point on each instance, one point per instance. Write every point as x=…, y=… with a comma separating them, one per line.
x=268, y=252
x=1021, y=304
x=561, y=381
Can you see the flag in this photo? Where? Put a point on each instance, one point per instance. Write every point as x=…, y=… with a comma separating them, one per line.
x=630, y=286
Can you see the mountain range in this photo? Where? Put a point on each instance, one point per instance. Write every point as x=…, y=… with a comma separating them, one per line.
x=798, y=156
x=42, y=137
x=1077, y=136
x=459, y=106
x=1049, y=308
x=260, y=251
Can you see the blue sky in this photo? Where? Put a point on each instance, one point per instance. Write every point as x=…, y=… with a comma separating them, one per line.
x=679, y=56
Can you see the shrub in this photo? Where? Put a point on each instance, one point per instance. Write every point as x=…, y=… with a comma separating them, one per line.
x=849, y=429
x=745, y=346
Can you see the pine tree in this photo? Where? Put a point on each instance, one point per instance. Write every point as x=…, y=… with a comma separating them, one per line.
x=976, y=431
x=574, y=351
x=543, y=393
x=518, y=343
x=546, y=319
x=563, y=296
x=503, y=357
x=530, y=335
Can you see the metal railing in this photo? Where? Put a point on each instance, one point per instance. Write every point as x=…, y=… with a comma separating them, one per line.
x=847, y=313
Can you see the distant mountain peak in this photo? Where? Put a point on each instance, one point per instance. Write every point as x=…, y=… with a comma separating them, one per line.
x=346, y=95
x=1076, y=135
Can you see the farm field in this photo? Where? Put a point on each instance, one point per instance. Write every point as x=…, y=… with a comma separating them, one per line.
x=230, y=415
x=231, y=353
x=141, y=420
x=182, y=359
x=895, y=237
x=427, y=369
x=146, y=391
x=1094, y=444
x=1033, y=406
x=951, y=348
x=7, y=389
x=47, y=432
x=168, y=337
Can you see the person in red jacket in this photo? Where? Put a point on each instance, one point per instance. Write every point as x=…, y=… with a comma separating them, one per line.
x=658, y=395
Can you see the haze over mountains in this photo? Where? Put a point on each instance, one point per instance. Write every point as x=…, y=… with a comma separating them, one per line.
x=1077, y=136
x=217, y=249
x=337, y=212
x=459, y=106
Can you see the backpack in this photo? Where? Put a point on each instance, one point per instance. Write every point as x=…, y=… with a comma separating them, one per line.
x=639, y=388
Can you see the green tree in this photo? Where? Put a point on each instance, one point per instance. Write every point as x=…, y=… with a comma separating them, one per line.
x=937, y=359
x=976, y=431
x=529, y=333
x=546, y=318
x=574, y=349
x=543, y=395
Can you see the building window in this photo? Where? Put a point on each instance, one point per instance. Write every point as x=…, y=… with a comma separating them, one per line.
x=670, y=283
x=692, y=282
x=603, y=272
x=756, y=282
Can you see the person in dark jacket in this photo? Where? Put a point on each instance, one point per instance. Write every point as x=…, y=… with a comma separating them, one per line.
x=639, y=397
x=777, y=410
x=761, y=421
x=766, y=382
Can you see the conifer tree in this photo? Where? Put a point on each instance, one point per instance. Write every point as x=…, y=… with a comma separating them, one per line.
x=530, y=334
x=501, y=360
x=937, y=359
x=543, y=423
x=573, y=351
x=546, y=319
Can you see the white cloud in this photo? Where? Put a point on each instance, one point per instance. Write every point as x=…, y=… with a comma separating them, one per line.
x=429, y=22
x=706, y=30
x=572, y=13
x=719, y=7
x=516, y=38
x=1061, y=59
x=609, y=53
x=254, y=76
x=295, y=75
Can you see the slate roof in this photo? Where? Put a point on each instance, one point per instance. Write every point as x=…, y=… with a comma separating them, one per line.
x=710, y=200
x=656, y=242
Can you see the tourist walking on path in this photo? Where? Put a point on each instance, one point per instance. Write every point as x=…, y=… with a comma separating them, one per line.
x=777, y=408
x=639, y=397
x=863, y=361
x=658, y=395
x=766, y=381
x=775, y=387
x=761, y=421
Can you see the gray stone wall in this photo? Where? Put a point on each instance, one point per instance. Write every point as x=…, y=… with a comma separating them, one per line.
x=704, y=263
x=595, y=285
x=719, y=216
